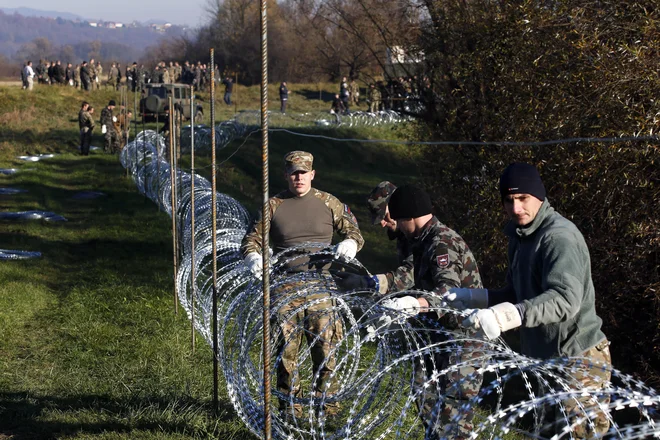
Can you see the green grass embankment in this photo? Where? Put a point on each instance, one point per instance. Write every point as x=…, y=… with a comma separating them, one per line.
x=89, y=343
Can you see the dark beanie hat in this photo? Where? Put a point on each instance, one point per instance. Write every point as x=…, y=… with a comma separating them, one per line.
x=409, y=201
x=112, y=102
x=522, y=178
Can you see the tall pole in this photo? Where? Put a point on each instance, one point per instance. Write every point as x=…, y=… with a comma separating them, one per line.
x=125, y=121
x=135, y=113
x=214, y=224
x=144, y=143
x=173, y=201
x=157, y=165
x=236, y=92
x=266, y=217
x=192, y=213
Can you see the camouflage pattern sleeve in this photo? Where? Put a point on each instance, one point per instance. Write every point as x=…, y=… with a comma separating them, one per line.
x=452, y=265
x=446, y=266
x=253, y=240
x=345, y=223
x=106, y=117
x=403, y=277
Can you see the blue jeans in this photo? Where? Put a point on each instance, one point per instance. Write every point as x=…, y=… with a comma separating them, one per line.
x=228, y=98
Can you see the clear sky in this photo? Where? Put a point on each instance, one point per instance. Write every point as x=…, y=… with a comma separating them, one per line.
x=183, y=12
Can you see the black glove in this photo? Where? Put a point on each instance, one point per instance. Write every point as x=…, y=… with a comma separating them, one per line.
x=351, y=281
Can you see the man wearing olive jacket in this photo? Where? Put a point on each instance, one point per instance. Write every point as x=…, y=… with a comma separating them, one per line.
x=549, y=292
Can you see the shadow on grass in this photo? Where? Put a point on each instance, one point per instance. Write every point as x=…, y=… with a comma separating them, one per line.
x=314, y=94
x=22, y=415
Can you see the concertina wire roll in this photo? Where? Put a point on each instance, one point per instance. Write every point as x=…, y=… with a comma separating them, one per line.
x=378, y=360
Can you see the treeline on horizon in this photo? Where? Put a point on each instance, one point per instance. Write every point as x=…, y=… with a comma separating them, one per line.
x=35, y=38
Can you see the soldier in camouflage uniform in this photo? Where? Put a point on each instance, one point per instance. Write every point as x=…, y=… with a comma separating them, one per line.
x=99, y=72
x=76, y=76
x=304, y=214
x=374, y=98
x=111, y=144
x=91, y=68
x=400, y=278
x=434, y=258
x=354, y=90
x=113, y=75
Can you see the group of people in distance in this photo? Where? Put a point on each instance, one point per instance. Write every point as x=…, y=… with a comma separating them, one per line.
x=115, y=128
x=549, y=295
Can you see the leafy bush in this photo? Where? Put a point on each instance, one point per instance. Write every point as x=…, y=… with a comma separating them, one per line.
x=535, y=71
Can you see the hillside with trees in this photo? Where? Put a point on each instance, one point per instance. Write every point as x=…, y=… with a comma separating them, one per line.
x=72, y=41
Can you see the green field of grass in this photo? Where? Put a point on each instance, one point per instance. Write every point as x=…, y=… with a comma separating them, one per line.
x=90, y=346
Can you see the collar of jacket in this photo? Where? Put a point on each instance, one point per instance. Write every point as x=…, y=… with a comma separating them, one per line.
x=512, y=230
x=426, y=229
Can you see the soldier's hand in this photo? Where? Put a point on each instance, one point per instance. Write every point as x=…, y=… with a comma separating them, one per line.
x=408, y=305
x=493, y=321
x=254, y=263
x=376, y=330
x=346, y=250
x=462, y=298
x=351, y=281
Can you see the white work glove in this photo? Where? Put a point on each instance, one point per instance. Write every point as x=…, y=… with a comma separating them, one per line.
x=494, y=320
x=104, y=129
x=406, y=304
x=254, y=262
x=461, y=298
x=346, y=250
x=114, y=119
x=373, y=330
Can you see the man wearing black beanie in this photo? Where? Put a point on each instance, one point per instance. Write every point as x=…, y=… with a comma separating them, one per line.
x=549, y=294
x=441, y=261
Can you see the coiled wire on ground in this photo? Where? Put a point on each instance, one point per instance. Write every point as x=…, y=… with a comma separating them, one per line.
x=377, y=356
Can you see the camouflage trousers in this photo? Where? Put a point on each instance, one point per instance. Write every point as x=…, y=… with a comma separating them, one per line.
x=111, y=141
x=374, y=106
x=439, y=402
x=594, y=375
x=322, y=328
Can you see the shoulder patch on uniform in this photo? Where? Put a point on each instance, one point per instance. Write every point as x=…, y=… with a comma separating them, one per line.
x=442, y=260
x=349, y=215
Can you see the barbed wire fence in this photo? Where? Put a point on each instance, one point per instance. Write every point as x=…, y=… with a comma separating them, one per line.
x=376, y=361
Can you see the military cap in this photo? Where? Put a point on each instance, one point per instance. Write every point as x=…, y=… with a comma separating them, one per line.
x=377, y=200
x=298, y=161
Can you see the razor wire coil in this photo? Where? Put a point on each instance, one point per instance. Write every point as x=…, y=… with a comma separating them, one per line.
x=376, y=359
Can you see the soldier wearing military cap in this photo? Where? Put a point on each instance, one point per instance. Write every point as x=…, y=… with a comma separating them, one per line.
x=302, y=214
x=438, y=260
x=400, y=278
